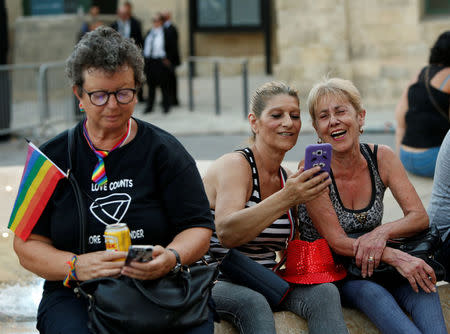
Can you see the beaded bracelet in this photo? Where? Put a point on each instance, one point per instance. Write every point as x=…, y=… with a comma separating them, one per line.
x=72, y=275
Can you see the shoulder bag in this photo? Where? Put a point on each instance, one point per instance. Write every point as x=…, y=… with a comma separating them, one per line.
x=128, y=305
x=423, y=245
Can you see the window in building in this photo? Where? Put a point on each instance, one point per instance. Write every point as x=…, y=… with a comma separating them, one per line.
x=227, y=14
x=437, y=7
x=52, y=7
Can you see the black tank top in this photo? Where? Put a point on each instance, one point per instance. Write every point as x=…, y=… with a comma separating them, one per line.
x=363, y=220
x=425, y=126
x=274, y=238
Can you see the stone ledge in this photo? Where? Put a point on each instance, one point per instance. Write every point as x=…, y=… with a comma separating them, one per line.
x=357, y=323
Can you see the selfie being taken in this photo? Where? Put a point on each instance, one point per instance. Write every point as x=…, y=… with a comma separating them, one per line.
x=224, y=167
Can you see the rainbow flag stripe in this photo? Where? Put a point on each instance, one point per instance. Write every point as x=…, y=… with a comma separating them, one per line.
x=39, y=179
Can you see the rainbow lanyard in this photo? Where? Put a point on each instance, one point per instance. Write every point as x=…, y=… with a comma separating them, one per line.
x=99, y=174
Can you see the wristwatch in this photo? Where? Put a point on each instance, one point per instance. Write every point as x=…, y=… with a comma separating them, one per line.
x=177, y=267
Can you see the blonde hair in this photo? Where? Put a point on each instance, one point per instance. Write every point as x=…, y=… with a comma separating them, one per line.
x=334, y=87
x=268, y=90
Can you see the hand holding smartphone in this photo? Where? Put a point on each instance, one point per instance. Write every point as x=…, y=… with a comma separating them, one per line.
x=318, y=155
x=139, y=253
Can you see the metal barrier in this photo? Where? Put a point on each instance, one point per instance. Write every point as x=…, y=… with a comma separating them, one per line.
x=215, y=61
x=34, y=97
x=57, y=102
x=18, y=93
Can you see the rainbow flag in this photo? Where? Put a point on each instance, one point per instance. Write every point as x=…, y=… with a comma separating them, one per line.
x=39, y=179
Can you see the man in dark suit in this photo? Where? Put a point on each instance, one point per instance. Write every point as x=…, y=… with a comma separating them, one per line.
x=127, y=25
x=158, y=55
x=171, y=36
x=130, y=27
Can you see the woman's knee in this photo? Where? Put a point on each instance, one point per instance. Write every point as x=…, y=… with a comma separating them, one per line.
x=359, y=292
x=234, y=298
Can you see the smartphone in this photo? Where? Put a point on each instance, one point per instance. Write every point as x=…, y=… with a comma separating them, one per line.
x=318, y=155
x=140, y=253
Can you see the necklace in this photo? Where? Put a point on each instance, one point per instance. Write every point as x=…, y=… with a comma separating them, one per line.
x=99, y=173
x=361, y=217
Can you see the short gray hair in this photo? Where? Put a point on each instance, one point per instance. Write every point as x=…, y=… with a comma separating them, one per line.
x=335, y=87
x=104, y=49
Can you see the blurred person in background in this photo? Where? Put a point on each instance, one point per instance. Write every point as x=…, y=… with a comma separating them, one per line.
x=129, y=27
x=422, y=114
x=439, y=207
x=3, y=33
x=92, y=21
x=173, y=54
x=158, y=64
x=5, y=88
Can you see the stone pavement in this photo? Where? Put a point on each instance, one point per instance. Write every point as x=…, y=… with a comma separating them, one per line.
x=19, y=287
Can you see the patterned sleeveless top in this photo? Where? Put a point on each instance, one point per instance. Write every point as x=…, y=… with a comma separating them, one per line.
x=363, y=220
x=274, y=238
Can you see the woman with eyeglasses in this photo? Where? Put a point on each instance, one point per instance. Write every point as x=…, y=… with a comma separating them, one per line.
x=129, y=171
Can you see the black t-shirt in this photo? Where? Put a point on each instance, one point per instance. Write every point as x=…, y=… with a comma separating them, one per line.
x=153, y=186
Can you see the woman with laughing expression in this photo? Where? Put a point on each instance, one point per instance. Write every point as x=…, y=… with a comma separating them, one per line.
x=360, y=174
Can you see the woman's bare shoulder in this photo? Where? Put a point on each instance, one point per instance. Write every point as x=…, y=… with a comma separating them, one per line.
x=229, y=163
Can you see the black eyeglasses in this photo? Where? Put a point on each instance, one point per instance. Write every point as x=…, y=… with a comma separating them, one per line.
x=101, y=97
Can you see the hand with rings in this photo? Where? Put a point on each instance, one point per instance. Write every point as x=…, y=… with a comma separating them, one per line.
x=368, y=250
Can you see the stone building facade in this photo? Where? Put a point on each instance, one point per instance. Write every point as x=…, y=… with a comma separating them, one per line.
x=378, y=44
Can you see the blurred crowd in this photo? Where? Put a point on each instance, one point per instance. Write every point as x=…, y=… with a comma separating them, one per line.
x=159, y=46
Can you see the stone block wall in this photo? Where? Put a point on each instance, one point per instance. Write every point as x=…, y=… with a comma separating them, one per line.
x=379, y=45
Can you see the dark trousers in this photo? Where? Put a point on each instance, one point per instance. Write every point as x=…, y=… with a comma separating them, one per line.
x=157, y=74
x=61, y=311
x=173, y=88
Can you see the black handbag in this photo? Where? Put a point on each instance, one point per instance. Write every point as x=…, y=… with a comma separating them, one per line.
x=127, y=305
x=242, y=270
x=423, y=245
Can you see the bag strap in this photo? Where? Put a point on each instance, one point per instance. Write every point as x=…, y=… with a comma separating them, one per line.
x=283, y=177
x=77, y=192
x=430, y=95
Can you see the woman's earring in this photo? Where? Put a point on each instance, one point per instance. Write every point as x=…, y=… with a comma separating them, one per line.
x=81, y=107
x=361, y=130
x=319, y=140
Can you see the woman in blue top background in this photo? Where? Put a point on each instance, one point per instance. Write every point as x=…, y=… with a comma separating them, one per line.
x=422, y=113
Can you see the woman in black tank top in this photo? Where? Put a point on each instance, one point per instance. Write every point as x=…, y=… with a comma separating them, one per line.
x=360, y=174
x=246, y=194
x=422, y=113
